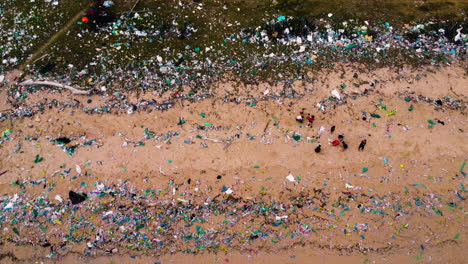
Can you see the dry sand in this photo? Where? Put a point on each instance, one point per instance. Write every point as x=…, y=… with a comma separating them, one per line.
x=407, y=207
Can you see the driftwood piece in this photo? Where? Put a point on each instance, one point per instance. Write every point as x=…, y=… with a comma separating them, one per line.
x=134, y=5
x=72, y=89
x=265, y=129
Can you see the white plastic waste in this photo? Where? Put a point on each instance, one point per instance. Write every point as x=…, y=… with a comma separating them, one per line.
x=336, y=94
x=290, y=178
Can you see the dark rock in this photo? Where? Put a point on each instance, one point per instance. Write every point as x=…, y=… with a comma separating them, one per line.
x=77, y=198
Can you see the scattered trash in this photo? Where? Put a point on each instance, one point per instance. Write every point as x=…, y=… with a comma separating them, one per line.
x=336, y=94
x=290, y=178
x=158, y=217
x=78, y=169
x=58, y=198
x=38, y=159
x=108, y=3
x=5, y=133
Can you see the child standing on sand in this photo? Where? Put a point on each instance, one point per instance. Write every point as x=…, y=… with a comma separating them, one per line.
x=311, y=120
x=318, y=148
x=362, y=145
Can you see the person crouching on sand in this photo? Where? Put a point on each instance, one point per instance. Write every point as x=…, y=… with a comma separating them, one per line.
x=300, y=117
x=344, y=145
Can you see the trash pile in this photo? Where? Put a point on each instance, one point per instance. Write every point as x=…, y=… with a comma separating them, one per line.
x=192, y=218
x=136, y=51
x=375, y=39
x=118, y=102
x=71, y=144
x=439, y=104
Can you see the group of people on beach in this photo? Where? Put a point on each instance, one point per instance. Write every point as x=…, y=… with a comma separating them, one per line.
x=310, y=118
x=337, y=142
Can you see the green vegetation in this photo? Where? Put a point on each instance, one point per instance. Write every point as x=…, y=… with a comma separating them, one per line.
x=161, y=43
x=25, y=25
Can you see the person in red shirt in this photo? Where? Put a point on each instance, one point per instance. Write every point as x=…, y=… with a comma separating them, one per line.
x=311, y=120
x=338, y=141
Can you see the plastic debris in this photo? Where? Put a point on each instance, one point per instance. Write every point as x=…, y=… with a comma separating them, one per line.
x=336, y=94
x=290, y=178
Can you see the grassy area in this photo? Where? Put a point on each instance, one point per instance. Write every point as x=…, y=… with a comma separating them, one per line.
x=171, y=44
x=25, y=25
x=394, y=11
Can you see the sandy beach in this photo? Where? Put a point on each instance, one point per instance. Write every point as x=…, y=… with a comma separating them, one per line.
x=241, y=182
